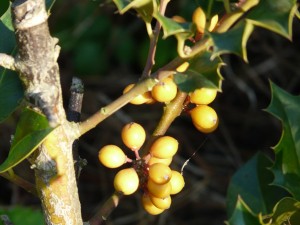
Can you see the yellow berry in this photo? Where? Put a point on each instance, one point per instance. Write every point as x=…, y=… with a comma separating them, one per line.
x=126, y=181
x=161, y=203
x=213, y=22
x=183, y=67
x=204, y=118
x=112, y=156
x=203, y=96
x=153, y=160
x=164, y=147
x=199, y=19
x=160, y=173
x=149, y=206
x=133, y=136
x=140, y=99
x=159, y=190
x=164, y=91
x=177, y=182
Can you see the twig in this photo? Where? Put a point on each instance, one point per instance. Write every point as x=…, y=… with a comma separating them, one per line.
x=171, y=112
x=148, y=83
x=106, y=209
x=153, y=41
x=7, y=61
x=5, y=220
x=73, y=115
x=26, y=185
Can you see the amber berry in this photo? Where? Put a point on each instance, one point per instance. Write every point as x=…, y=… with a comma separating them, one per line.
x=203, y=96
x=164, y=91
x=161, y=203
x=112, y=156
x=126, y=181
x=140, y=99
x=164, y=147
x=204, y=118
x=133, y=136
x=160, y=173
x=159, y=190
x=153, y=160
x=149, y=206
x=177, y=182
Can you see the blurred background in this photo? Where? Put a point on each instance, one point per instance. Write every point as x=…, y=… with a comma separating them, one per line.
x=108, y=51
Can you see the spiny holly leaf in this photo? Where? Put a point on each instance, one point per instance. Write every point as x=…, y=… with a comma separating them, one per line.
x=273, y=15
x=242, y=215
x=172, y=27
x=31, y=130
x=232, y=41
x=202, y=72
x=147, y=11
x=286, y=211
x=124, y=5
x=252, y=183
x=286, y=168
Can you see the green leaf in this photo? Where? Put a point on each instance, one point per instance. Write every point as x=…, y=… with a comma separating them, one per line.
x=11, y=92
x=146, y=11
x=31, y=130
x=232, y=41
x=252, y=183
x=203, y=71
x=124, y=5
x=23, y=215
x=7, y=19
x=286, y=168
x=273, y=15
x=49, y=4
x=242, y=215
x=286, y=211
x=171, y=27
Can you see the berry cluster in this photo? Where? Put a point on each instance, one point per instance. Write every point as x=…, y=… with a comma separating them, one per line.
x=204, y=117
x=151, y=173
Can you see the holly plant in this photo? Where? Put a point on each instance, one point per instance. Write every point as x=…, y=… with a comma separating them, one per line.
x=263, y=191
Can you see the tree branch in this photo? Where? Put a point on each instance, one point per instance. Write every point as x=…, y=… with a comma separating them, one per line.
x=7, y=61
x=36, y=62
x=153, y=41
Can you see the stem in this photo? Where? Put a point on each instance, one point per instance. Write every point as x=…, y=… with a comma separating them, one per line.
x=7, y=61
x=227, y=6
x=106, y=209
x=153, y=40
x=209, y=8
x=105, y=112
x=148, y=83
x=26, y=185
x=171, y=112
